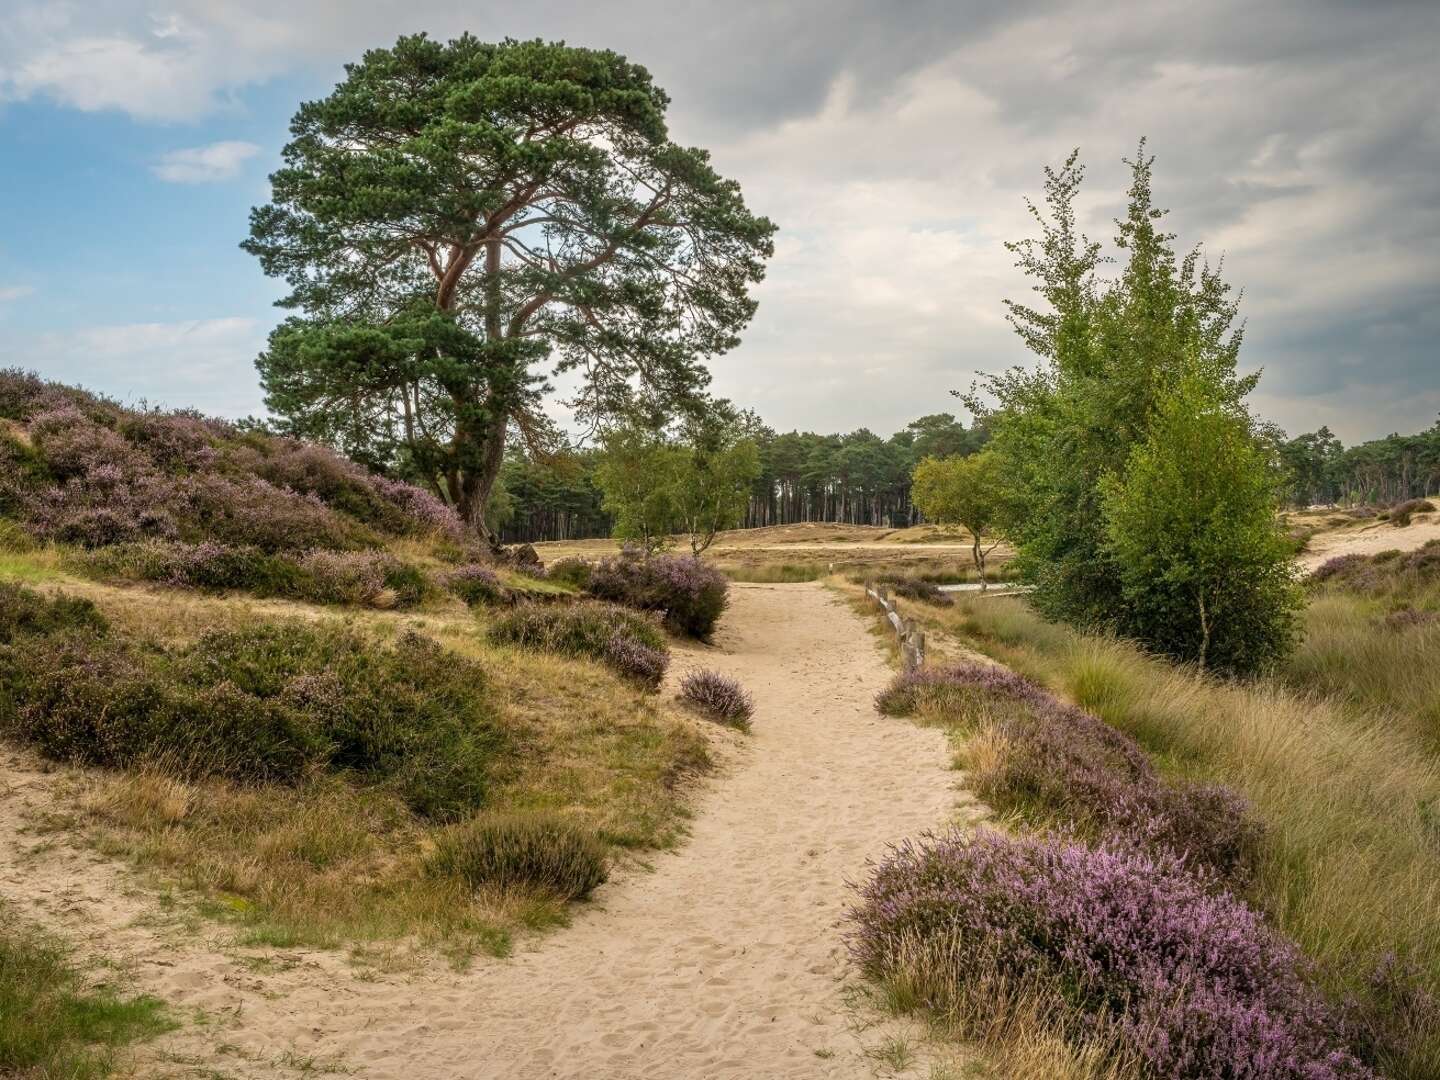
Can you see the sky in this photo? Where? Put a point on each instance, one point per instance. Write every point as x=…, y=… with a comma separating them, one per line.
x=893, y=141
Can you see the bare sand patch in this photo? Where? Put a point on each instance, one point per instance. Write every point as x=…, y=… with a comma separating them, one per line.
x=726, y=961
x=1370, y=540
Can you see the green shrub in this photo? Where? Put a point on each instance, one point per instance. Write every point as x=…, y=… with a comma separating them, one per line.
x=14, y=539
x=25, y=611
x=572, y=571
x=526, y=849
x=631, y=643
x=272, y=703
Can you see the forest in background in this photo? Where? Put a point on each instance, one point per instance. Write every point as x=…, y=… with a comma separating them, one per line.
x=857, y=478
x=860, y=478
x=1381, y=471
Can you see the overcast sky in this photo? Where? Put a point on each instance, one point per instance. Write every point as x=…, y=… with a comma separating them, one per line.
x=893, y=143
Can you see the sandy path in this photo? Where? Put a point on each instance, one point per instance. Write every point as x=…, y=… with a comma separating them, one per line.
x=1371, y=541
x=727, y=961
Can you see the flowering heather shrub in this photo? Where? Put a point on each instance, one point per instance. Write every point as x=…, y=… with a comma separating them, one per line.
x=526, y=848
x=1191, y=982
x=631, y=644
x=1064, y=764
x=272, y=703
x=690, y=594
x=1408, y=618
x=633, y=659
x=719, y=697
x=89, y=472
x=475, y=584
x=375, y=579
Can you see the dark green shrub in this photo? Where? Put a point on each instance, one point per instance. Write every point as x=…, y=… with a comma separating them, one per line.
x=1401, y=513
x=527, y=849
x=25, y=611
x=475, y=584
x=571, y=571
x=266, y=704
x=632, y=644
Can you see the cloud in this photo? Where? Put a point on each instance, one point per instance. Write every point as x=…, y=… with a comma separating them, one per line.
x=894, y=144
x=204, y=164
x=201, y=363
x=14, y=292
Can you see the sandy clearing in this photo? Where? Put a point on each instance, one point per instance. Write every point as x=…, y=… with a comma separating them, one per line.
x=1370, y=541
x=725, y=962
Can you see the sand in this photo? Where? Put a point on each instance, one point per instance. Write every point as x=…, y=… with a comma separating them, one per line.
x=726, y=961
x=1372, y=540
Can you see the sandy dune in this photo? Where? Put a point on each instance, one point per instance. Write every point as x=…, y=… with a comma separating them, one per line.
x=1371, y=541
x=726, y=961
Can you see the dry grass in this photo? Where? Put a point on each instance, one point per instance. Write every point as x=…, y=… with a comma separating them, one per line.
x=1351, y=866
x=330, y=862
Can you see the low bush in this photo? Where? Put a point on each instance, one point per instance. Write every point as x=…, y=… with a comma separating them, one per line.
x=572, y=571
x=273, y=703
x=632, y=644
x=25, y=611
x=525, y=849
x=1063, y=765
x=1187, y=981
x=51, y=1023
x=475, y=584
x=688, y=593
x=912, y=588
x=319, y=576
x=719, y=697
x=1401, y=513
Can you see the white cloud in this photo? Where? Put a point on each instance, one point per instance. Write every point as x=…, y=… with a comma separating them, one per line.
x=208, y=364
x=204, y=164
x=14, y=292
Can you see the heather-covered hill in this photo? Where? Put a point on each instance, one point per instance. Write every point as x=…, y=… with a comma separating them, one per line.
x=80, y=469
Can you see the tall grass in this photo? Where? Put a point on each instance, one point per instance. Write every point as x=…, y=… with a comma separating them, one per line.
x=1351, y=866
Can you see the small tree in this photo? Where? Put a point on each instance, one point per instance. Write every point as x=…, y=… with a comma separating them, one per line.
x=718, y=467
x=964, y=491
x=1191, y=525
x=636, y=473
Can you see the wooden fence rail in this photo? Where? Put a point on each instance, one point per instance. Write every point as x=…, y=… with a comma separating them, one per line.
x=909, y=636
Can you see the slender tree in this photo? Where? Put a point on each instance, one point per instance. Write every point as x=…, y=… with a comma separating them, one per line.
x=454, y=215
x=966, y=491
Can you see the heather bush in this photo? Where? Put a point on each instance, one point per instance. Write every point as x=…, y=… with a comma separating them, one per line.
x=719, y=697
x=1058, y=763
x=530, y=849
x=1187, y=980
x=82, y=470
x=475, y=584
x=25, y=611
x=911, y=588
x=572, y=571
x=272, y=703
x=319, y=576
x=1401, y=513
x=689, y=594
x=632, y=644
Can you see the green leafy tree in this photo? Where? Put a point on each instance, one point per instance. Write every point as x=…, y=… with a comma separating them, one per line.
x=636, y=472
x=967, y=491
x=718, y=465
x=1110, y=352
x=454, y=215
x=1206, y=574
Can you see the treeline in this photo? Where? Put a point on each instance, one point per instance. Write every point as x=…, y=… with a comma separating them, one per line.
x=857, y=478
x=1384, y=471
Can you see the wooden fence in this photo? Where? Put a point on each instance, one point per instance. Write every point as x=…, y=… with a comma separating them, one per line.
x=908, y=635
